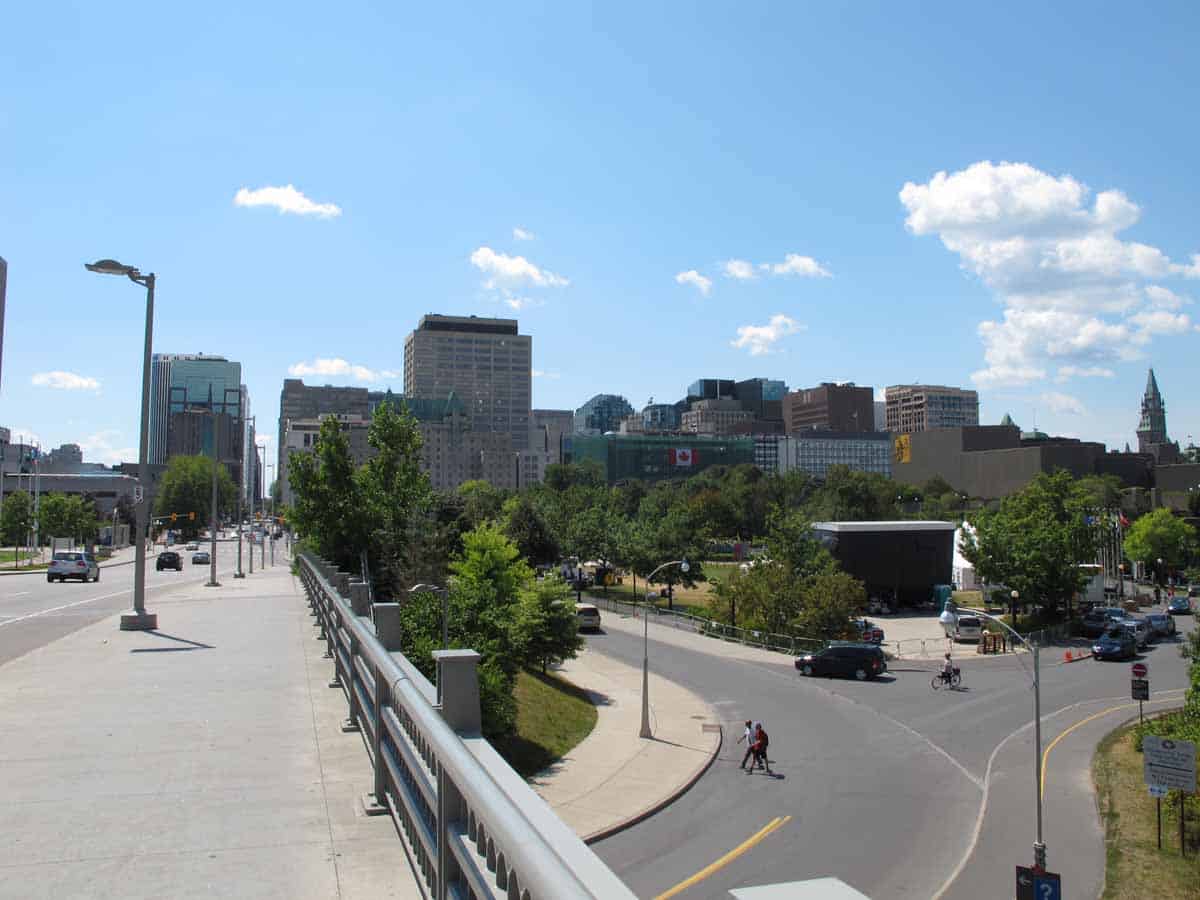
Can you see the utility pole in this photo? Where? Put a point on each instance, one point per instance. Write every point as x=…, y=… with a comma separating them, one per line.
x=212, y=518
x=3, y=294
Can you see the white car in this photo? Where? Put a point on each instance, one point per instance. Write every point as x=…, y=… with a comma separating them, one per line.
x=192, y=545
x=588, y=616
x=969, y=628
x=73, y=564
x=1139, y=629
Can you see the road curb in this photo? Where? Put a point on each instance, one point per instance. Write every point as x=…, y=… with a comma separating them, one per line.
x=664, y=802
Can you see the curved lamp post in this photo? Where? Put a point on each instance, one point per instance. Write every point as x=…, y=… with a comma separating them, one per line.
x=1039, y=847
x=444, y=594
x=138, y=619
x=645, y=731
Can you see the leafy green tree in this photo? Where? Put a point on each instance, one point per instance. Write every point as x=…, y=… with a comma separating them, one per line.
x=759, y=596
x=852, y=496
x=1160, y=535
x=545, y=623
x=186, y=487
x=67, y=516
x=526, y=528
x=330, y=508
x=828, y=601
x=481, y=503
x=16, y=518
x=1104, y=491
x=490, y=561
x=1036, y=540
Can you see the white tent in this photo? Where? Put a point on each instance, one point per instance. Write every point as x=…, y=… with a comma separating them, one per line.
x=963, y=571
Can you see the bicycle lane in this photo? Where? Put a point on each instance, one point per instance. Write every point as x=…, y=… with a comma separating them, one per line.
x=1007, y=824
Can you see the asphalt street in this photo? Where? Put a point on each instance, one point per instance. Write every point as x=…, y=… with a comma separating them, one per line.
x=34, y=613
x=884, y=781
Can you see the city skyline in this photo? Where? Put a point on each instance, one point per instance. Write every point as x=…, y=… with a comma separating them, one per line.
x=648, y=209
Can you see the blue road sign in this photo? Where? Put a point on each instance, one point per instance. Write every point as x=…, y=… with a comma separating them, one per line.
x=1035, y=885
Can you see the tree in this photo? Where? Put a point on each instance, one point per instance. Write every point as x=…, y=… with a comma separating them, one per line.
x=186, y=488
x=1104, y=491
x=525, y=527
x=1036, y=540
x=545, y=623
x=1160, y=535
x=481, y=502
x=16, y=518
x=828, y=600
x=852, y=496
x=67, y=517
x=330, y=509
x=491, y=561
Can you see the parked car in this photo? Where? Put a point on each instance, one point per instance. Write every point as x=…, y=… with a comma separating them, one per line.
x=868, y=631
x=169, y=559
x=852, y=660
x=1116, y=643
x=1179, y=606
x=201, y=557
x=1161, y=624
x=1097, y=620
x=1140, y=630
x=969, y=628
x=588, y=616
x=73, y=564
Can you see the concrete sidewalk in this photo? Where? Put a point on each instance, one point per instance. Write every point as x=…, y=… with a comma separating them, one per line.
x=613, y=778
x=201, y=760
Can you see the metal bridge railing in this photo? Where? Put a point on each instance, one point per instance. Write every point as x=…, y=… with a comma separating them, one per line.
x=472, y=828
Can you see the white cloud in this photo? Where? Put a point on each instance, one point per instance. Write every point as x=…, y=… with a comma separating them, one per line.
x=65, y=381
x=694, y=278
x=739, y=269
x=520, y=234
x=538, y=373
x=761, y=339
x=1066, y=372
x=1063, y=404
x=1074, y=293
x=287, y=200
x=339, y=366
x=795, y=264
x=105, y=447
x=503, y=269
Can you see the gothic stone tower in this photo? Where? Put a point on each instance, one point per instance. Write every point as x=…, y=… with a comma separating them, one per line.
x=1152, y=430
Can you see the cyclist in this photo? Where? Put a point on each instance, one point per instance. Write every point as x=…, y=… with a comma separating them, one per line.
x=948, y=670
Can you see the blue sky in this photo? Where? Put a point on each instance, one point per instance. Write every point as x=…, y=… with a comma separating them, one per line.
x=706, y=190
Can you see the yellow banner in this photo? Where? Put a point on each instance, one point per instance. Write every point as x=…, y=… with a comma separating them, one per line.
x=902, y=449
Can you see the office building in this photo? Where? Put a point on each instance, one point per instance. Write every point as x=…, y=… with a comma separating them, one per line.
x=761, y=396
x=550, y=426
x=453, y=451
x=815, y=452
x=921, y=407
x=830, y=407
x=196, y=409
x=658, y=457
x=714, y=416
x=483, y=362
x=602, y=414
x=660, y=417
x=300, y=436
x=710, y=389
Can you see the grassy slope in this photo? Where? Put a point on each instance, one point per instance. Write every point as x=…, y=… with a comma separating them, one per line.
x=552, y=717
x=1135, y=867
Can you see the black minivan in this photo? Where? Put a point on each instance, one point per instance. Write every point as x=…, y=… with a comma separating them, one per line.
x=861, y=661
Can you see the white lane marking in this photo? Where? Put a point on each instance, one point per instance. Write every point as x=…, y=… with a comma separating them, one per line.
x=987, y=784
x=42, y=612
x=20, y=594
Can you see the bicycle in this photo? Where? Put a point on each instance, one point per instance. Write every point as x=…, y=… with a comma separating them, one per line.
x=939, y=680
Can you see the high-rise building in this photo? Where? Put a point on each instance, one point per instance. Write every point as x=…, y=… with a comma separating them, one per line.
x=711, y=389
x=549, y=428
x=601, y=414
x=299, y=402
x=830, y=407
x=196, y=409
x=714, y=416
x=484, y=362
x=922, y=407
x=762, y=396
x=660, y=417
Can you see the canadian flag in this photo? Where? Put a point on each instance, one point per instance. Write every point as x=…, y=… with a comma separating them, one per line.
x=681, y=456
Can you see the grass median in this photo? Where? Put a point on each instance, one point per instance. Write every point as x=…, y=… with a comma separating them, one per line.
x=1134, y=866
x=552, y=717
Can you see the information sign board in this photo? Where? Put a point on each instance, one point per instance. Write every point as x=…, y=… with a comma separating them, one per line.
x=1169, y=763
x=1141, y=689
x=1035, y=885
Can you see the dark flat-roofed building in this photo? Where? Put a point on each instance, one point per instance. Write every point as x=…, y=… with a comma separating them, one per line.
x=830, y=407
x=901, y=560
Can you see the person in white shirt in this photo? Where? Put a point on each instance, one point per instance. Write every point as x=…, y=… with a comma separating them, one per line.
x=748, y=737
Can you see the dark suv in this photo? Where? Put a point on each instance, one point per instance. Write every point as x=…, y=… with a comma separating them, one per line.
x=852, y=660
x=169, y=559
x=1097, y=620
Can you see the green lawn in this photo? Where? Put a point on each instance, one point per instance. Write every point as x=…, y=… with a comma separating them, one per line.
x=7, y=556
x=1134, y=866
x=552, y=717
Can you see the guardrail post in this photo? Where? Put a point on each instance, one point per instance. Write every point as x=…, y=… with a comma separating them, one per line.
x=375, y=803
x=450, y=809
x=360, y=598
x=458, y=689
x=387, y=625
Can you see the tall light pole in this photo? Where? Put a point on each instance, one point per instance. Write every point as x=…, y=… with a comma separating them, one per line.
x=263, y=504
x=138, y=619
x=212, y=518
x=1039, y=847
x=645, y=731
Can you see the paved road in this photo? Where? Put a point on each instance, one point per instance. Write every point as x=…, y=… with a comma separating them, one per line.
x=34, y=613
x=883, y=781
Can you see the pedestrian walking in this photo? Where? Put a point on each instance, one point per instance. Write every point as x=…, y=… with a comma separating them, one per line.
x=748, y=737
x=761, y=742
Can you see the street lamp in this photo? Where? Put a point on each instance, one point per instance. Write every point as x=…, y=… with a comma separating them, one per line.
x=1014, y=596
x=262, y=503
x=1158, y=579
x=645, y=731
x=242, y=490
x=1039, y=847
x=138, y=619
x=1121, y=581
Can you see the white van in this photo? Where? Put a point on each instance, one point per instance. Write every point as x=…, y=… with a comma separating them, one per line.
x=588, y=617
x=969, y=628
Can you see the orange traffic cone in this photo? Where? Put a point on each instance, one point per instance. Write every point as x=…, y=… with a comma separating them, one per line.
x=1068, y=656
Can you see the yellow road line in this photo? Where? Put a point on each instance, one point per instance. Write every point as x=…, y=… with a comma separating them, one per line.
x=1080, y=723
x=775, y=824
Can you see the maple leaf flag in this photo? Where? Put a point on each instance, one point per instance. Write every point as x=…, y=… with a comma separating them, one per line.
x=681, y=456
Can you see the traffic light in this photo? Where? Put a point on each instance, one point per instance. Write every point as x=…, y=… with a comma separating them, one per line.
x=192, y=516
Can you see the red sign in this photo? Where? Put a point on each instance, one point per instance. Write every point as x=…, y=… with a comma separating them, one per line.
x=681, y=456
x=1139, y=670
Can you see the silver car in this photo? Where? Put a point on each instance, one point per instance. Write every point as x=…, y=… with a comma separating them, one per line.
x=1139, y=629
x=1161, y=624
x=73, y=564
